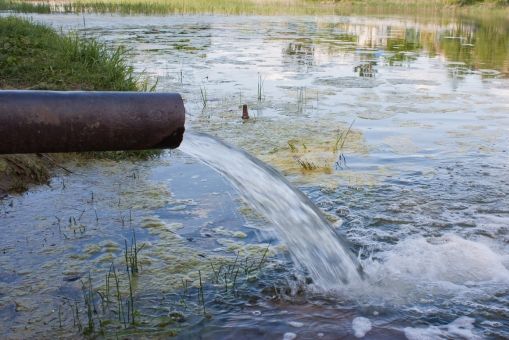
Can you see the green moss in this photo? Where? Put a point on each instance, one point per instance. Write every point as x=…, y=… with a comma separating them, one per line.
x=93, y=249
x=185, y=47
x=239, y=234
x=152, y=223
x=105, y=258
x=109, y=246
x=79, y=256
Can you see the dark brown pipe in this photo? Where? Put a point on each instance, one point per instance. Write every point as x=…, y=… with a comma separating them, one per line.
x=49, y=121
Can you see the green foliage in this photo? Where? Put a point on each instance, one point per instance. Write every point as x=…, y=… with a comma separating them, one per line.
x=25, y=7
x=36, y=57
x=475, y=2
x=232, y=7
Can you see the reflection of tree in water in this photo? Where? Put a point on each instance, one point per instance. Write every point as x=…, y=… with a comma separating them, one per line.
x=300, y=52
x=479, y=45
x=404, y=48
x=336, y=39
x=467, y=44
x=366, y=69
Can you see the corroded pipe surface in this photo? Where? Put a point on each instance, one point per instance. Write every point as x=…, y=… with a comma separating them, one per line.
x=50, y=121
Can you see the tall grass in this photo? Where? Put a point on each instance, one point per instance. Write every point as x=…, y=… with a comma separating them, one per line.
x=339, y=145
x=203, y=96
x=260, y=87
x=230, y=7
x=37, y=57
x=236, y=7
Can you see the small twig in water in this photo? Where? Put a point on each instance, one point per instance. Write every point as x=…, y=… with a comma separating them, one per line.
x=201, y=293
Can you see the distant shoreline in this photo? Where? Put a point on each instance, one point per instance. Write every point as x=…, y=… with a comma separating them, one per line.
x=258, y=7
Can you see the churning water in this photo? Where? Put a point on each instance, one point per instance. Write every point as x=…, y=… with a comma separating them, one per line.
x=301, y=226
x=420, y=277
x=415, y=266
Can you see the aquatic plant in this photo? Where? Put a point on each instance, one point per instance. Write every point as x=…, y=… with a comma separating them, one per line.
x=201, y=295
x=260, y=87
x=339, y=145
x=131, y=255
x=306, y=165
x=232, y=275
x=292, y=146
x=116, y=297
x=88, y=298
x=203, y=94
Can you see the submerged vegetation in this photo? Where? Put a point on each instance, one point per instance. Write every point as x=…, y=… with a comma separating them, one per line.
x=34, y=56
x=114, y=302
x=113, y=270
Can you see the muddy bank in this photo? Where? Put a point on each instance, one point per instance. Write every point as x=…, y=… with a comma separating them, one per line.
x=17, y=172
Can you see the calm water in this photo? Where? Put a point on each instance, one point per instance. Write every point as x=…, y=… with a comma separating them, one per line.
x=418, y=184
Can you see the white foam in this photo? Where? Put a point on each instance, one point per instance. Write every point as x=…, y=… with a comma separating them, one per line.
x=289, y=336
x=296, y=324
x=418, y=269
x=361, y=326
x=449, y=258
x=461, y=328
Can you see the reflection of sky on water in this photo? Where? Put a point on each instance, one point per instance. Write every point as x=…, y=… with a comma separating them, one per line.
x=414, y=89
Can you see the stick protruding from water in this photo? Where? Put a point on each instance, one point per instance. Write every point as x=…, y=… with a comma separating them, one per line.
x=245, y=113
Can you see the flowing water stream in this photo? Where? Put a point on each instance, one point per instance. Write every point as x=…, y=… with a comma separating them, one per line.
x=419, y=271
x=299, y=224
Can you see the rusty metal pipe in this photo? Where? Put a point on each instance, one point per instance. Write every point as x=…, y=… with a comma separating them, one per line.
x=51, y=121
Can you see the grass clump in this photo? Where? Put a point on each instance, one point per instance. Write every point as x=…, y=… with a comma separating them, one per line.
x=34, y=56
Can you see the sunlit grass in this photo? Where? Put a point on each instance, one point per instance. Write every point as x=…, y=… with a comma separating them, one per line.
x=252, y=7
x=35, y=56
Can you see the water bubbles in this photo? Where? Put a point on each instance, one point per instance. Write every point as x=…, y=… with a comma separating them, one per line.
x=296, y=324
x=461, y=328
x=289, y=336
x=361, y=326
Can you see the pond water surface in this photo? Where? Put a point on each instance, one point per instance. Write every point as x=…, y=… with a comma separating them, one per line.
x=395, y=127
